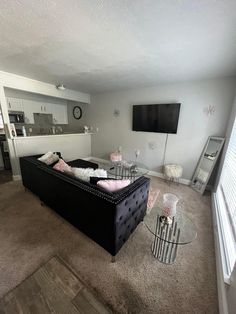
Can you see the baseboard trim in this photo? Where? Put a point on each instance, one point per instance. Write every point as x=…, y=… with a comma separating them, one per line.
x=222, y=299
x=105, y=161
x=161, y=175
x=87, y=158
x=151, y=173
x=16, y=177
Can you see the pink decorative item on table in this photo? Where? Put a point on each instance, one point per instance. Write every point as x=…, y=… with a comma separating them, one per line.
x=152, y=197
x=115, y=157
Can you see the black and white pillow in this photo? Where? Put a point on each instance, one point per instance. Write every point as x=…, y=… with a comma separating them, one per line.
x=49, y=158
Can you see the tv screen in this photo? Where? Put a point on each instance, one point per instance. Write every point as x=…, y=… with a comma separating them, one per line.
x=160, y=118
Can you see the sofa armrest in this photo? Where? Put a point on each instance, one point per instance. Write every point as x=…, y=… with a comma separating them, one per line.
x=129, y=213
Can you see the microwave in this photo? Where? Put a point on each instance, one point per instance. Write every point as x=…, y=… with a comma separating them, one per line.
x=16, y=117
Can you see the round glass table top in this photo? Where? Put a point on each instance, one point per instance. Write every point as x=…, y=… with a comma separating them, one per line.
x=124, y=169
x=179, y=230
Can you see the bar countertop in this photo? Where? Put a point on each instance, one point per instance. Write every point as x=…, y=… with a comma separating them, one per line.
x=49, y=135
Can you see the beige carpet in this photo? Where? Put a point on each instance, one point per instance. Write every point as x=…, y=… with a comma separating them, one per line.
x=136, y=283
x=5, y=176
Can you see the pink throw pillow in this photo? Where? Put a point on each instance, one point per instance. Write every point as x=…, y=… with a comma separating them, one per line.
x=62, y=166
x=113, y=185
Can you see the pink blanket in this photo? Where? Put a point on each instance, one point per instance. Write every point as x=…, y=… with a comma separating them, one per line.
x=152, y=197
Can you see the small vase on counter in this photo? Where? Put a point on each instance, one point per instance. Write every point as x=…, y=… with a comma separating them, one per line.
x=24, y=131
x=86, y=129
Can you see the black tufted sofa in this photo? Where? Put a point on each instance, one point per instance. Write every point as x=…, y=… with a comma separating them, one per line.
x=107, y=218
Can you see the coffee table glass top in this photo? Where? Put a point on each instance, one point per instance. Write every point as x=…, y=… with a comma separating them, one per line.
x=181, y=231
x=127, y=169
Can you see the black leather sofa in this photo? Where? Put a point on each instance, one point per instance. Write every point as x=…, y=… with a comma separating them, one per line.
x=107, y=218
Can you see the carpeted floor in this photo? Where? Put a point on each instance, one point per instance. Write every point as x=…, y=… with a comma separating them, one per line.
x=136, y=283
x=5, y=176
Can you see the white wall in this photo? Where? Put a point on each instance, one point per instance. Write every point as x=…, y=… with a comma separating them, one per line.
x=194, y=125
x=72, y=146
x=74, y=124
x=10, y=80
x=9, y=92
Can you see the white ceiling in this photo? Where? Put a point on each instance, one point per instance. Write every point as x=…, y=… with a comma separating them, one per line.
x=100, y=45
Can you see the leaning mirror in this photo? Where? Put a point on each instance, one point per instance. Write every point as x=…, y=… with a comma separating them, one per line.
x=207, y=163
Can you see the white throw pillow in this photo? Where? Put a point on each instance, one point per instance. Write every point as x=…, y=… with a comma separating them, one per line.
x=49, y=158
x=85, y=173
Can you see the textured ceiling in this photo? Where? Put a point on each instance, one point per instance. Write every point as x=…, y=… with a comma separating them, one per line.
x=93, y=46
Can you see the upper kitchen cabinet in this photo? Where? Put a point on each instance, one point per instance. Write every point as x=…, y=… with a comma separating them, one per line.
x=14, y=104
x=39, y=107
x=29, y=109
x=46, y=108
x=59, y=113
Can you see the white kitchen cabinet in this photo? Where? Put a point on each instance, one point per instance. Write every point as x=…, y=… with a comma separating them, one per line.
x=37, y=107
x=59, y=113
x=40, y=107
x=46, y=108
x=14, y=104
x=29, y=109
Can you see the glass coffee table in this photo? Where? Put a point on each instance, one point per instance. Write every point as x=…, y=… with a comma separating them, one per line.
x=127, y=170
x=168, y=236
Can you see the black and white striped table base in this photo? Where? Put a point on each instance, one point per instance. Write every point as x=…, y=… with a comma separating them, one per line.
x=166, y=239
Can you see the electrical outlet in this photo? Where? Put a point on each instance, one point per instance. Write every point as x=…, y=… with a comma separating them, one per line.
x=152, y=145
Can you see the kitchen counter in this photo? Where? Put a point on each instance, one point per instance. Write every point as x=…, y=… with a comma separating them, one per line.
x=49, y=136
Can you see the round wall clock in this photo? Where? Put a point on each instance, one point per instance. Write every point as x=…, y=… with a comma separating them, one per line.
x=77, y=112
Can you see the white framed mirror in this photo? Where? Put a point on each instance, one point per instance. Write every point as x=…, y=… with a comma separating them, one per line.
x=207, y=163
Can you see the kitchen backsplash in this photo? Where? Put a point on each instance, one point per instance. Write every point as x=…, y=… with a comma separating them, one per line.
x=44, y=126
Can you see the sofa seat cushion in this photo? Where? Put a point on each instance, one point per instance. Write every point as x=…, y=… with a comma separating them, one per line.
x=94, y=180
x=113, y=185
x=80, y=163
x=85, y=173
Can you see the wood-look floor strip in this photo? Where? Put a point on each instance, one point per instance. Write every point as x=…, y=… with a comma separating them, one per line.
x=52, y=289
x=63, y=277
x=88, y=303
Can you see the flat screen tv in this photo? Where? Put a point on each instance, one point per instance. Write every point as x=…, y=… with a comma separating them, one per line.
x=160, y=118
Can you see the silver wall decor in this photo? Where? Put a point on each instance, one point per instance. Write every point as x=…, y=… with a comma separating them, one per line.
x=116, y=113
x=209, y=110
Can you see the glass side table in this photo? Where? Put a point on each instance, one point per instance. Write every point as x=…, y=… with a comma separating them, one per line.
x=127, y=170
x=168, y=236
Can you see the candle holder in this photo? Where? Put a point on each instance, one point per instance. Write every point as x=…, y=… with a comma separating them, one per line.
x=169, y=207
